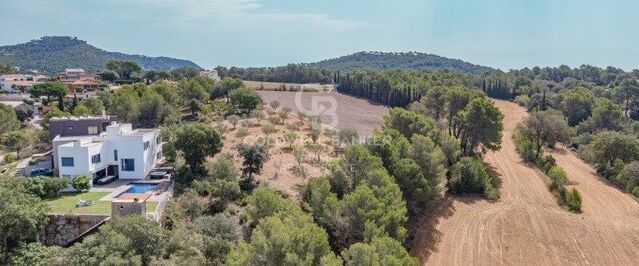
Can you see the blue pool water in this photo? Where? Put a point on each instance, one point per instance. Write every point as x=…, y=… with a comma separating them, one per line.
x=140, y=187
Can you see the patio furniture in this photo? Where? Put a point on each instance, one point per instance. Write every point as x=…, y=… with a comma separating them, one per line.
x=157, y=174
x=84, y=203
x=106, y=180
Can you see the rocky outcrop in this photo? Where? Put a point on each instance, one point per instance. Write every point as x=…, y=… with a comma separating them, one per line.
x=64, y=229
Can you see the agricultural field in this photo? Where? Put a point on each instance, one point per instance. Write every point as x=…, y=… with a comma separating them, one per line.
x=526, y=226
x=351, y=112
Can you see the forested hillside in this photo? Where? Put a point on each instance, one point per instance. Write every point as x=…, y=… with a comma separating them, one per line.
x=408, y=61
x=327, y=71
x=51, y=55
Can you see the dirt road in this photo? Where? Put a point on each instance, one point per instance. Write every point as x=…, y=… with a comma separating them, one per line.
x=526, y=226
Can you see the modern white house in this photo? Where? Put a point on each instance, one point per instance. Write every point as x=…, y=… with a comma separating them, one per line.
x=120, y=151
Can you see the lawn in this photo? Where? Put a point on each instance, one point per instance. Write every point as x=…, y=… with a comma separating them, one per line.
x=65, y=204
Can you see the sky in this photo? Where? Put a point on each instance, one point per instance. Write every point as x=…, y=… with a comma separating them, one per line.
x=505, y=34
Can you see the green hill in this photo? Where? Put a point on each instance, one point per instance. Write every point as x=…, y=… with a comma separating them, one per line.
x=51, y=55
x=386, y=61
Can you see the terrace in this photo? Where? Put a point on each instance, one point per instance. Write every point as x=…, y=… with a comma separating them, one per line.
x=153, y=192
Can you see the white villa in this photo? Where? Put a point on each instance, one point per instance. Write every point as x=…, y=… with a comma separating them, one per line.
x=119, y=151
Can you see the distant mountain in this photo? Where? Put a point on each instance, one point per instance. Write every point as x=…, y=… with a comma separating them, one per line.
x=51, y=55
x=408, y=61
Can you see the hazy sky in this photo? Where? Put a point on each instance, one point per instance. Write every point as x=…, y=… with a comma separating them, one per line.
x=498, y=33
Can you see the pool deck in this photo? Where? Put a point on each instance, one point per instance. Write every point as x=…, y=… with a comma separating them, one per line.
x=117, y=188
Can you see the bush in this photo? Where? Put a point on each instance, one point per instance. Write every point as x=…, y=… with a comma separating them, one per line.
x=245, y=99
x=522, y=100
x=572, y=197
x=525, y=147
x=557, y=177
x=629, y=176
x=10, y=157
x=46, y=187
x=469, y=175
x=547, y=163
x=81, y=183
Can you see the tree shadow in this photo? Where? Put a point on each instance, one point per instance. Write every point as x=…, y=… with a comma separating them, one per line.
x=423, y=237
x=492, y=171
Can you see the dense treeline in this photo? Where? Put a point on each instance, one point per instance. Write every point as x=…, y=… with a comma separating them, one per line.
x=291, y=73
x=400, y=87
x=397, y=88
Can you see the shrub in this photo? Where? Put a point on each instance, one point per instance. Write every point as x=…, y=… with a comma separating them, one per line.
x=525, y=147
x=274, y=120
x=81, y=183
x=245, y=99
x=572, y=197
x=547, y=163
x=10, y=157
x=557, y=177
x=629, y=176
x=274, y=104
x=469, y=175
x=522, y=100
x=46, y=187
x=233, y=119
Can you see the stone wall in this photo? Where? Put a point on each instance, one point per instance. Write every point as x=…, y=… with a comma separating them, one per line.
x=63, y=229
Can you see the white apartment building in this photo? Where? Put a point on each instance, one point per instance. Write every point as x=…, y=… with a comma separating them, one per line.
x=212, y=74
x=19, y=82
x=119, y=151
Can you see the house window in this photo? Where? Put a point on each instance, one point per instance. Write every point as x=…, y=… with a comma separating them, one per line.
x=67, y=161
x=93, y=130
x=95, y=158
x=159, y=155
x=128, y=165
x=158, y=140
x=147, y=144
x=115, y=155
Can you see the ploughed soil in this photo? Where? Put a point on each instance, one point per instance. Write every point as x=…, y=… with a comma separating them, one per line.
x=338, y=110
x=526, y=226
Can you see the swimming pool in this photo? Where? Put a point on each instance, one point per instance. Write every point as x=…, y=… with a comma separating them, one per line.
x=140, y=187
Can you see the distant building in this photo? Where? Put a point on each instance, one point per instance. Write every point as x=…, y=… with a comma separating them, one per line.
x=120, y=151
x=212, y=74
x=76, y=79
x=20, y=83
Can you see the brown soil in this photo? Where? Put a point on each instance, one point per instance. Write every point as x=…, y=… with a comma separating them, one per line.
x=352, y=112
x=526, y=226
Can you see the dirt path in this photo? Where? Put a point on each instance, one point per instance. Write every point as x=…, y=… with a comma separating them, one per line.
x=526, y=226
